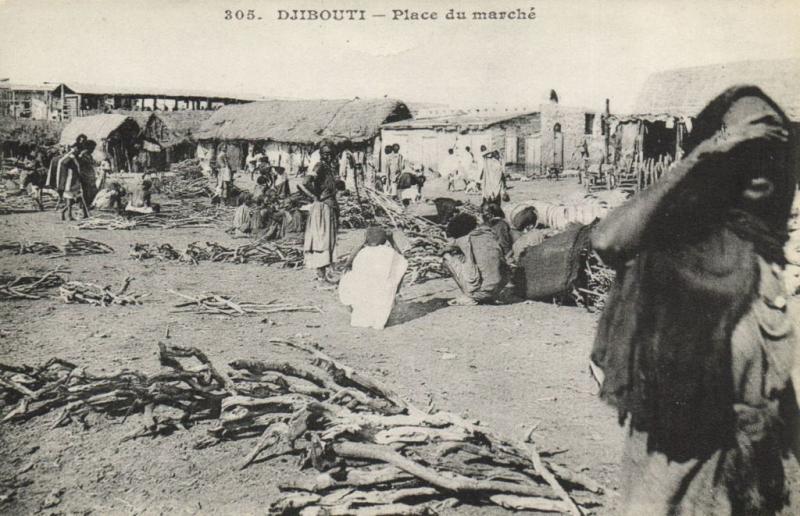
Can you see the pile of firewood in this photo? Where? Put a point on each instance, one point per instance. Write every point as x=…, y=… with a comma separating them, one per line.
x=146, y=251
x=373, y=452
x=82, y=246
x=152, y=220
x=189, y=167
x=217, y=304
x=426, y=239
x=29, y=287
x=355, y=212
x=74, y=246
x=259, y=251
x=90, y=293
x=42, y=248
x=179, y=187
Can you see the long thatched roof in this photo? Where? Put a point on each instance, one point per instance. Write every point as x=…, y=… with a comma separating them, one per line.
x=98, y=127
x=183, y=125
x=685, y=91
x=303, y=121
x=39, y=132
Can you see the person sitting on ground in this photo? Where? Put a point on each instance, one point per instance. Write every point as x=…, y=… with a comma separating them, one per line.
x=446, y=208
x=494, y=218
x=376, y=269
x=475, y=261
x=409, y=187
x=292, y=222
x=242, y=217
x=280, y=182
x=523, y=221
x=140, y=200
x=272, y=220
x=262, y=186
x=110, y=198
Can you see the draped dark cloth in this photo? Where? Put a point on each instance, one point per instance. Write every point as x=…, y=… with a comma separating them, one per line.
x=664, y=340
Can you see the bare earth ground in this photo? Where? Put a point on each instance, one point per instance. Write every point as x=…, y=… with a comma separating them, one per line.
x=511, y=366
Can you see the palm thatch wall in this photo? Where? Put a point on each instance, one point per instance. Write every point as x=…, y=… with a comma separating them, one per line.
x=174, y=133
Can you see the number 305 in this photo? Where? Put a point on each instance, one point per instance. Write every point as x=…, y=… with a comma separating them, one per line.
x=240, y=14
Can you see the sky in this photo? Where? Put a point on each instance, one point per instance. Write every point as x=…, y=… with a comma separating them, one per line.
x=586, y=50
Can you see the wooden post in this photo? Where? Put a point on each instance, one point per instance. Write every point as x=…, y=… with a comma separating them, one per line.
x=606, y=130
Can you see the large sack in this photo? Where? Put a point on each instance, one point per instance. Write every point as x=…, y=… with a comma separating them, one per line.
x=549, y=270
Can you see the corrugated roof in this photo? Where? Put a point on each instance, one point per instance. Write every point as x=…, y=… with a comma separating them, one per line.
x=95, y=127
x=458, y=121
x=685, y=91
x=95, y=89
x=303, y=121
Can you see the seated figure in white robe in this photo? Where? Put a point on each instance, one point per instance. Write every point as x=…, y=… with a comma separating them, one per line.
x=370, y=287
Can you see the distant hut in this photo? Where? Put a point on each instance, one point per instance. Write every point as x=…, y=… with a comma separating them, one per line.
x=288, y=130
x=669, y=101
x=19, y=136
x=174, y=134
x=116, y=135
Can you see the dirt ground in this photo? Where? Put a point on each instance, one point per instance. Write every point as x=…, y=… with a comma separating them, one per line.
x=511, y=366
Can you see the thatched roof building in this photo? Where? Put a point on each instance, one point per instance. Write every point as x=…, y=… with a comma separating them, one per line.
x=100, y=127
x=179, y=126
x=685, y=91
x=303, y=121
x=116, y=136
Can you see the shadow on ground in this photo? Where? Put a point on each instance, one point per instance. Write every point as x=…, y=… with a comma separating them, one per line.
x=405, y=311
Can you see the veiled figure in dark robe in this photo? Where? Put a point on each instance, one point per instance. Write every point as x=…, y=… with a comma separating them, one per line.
x=696, y=342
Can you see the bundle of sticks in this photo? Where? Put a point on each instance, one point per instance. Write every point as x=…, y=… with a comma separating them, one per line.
x=83, y=246
x=29, y=287
x=43, y=248
x=259, y=251
x=146, y=251
x=181, y=187
x=373, y=452
x=597, y=280
x=217, y=304
x=426, y=238
x=354, y=212
x=188, y=167
x=90, y=293
x=73, y=246
x=152, y=220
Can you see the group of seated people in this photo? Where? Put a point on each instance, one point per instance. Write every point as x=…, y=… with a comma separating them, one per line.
x=114, y=197
x=479, y=255
x=268, y=216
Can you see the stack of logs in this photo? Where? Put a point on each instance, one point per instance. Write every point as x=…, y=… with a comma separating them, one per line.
x=355, y=212
x=374, y=453
x=259, y=251
x=75, y=246
x=426, y=239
